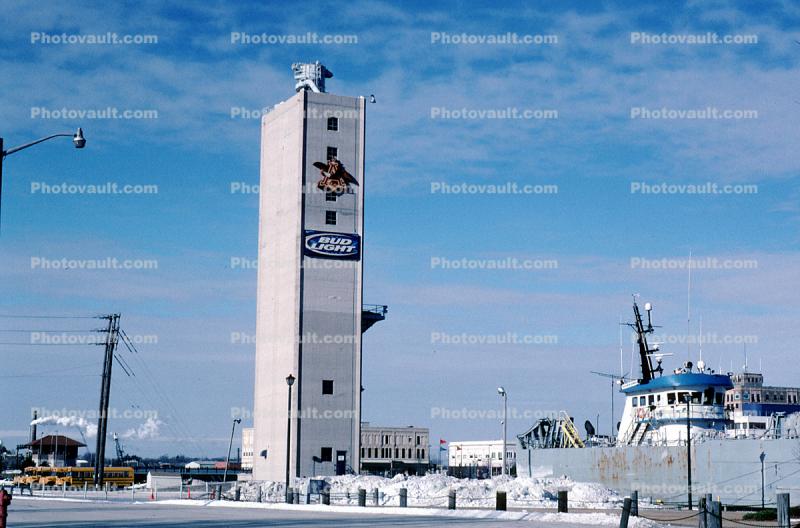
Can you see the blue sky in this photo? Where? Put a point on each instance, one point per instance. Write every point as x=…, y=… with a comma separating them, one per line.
x=593, y=227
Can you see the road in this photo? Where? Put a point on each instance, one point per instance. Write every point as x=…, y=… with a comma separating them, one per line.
x=44, y=513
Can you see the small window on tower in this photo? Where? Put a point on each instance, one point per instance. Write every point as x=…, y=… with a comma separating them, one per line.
x=327, y=386
x=333, y=152
x=326, y=454
x=333, y=123
x=330, y=197
x=330, y=217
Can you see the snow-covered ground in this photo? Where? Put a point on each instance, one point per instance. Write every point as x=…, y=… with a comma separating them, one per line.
x=432, y=490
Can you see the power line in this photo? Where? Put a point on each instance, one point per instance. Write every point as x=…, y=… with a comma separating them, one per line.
x=14, y=316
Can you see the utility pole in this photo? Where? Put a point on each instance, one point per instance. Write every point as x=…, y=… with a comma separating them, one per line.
x=689, y=447
x=112, y=336
x=228, y=459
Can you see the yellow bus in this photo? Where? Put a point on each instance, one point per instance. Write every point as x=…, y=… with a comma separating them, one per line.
x=74, y=476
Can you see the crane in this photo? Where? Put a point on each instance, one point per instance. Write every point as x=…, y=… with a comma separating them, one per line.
x=120, y=452
x=615, y=380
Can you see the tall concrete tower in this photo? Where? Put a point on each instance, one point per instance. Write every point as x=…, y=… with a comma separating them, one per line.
x=309, y=282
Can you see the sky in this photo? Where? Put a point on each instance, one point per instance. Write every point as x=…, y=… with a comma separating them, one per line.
x=613, y=108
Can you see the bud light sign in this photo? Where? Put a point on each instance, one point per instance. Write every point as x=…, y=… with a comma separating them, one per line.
x=322, y=244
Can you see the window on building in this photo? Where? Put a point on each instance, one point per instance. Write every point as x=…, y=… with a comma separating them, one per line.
x=330, y=217
x=333, y=124
x=362, y=452
x=418, y=440
x=326, y=454
x=635, y=401
x=671, y=398
x=332, y=153
x=330, y=197
x=327, y=386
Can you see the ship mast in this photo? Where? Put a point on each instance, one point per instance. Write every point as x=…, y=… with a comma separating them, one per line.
x=641, y=338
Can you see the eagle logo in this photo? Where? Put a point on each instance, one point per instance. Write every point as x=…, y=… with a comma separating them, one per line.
x=335, y=179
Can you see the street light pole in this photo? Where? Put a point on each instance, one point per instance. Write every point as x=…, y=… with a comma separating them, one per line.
x=689, y=447
x=77, y=139
x=230, y=445
x=762, y=456
x=502, y=392
x=289, y=382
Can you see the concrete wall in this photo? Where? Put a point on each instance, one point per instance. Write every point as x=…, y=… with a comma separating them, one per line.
x=309, y=309
x=278, y=298
x=728, y=469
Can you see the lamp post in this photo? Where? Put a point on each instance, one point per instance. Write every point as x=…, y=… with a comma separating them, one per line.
x=230, y=445
x=77, y=139
x=762, y=456
x=289, y=382
x=502, y=392
x=689, y=447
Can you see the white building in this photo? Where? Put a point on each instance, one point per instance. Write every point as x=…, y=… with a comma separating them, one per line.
x=309, y=301
x=247, y=448
x=477, y=457
x=394, y=449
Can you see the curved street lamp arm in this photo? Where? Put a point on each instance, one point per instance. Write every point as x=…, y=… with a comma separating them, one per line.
x=32, y=143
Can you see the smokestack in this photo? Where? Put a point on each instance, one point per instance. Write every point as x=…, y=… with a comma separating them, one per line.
x=33, y=426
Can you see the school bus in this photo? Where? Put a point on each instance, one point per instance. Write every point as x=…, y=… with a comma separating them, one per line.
x=74, y=476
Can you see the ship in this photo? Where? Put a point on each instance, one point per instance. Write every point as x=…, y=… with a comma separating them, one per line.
x=683, y=435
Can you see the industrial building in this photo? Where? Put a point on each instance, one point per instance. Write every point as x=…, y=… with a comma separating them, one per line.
x=310, y=315
x=393, y=450
x=247, y=448
x=54, y=451
x=480, y=458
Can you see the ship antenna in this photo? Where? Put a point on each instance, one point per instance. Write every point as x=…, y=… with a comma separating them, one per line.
x=689, y=311
x=620, y=348
x=701, y=338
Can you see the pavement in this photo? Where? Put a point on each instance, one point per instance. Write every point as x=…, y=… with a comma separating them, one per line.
x=49, y=512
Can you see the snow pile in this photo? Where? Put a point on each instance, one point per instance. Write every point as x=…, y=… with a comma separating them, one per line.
x=433, y=489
